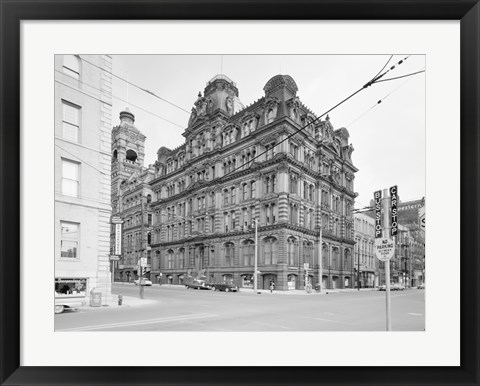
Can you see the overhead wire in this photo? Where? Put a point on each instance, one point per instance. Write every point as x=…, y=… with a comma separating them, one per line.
x=136, y=86
x=402, y=76
x=388, y=61
x=376, y=104
x=118, y=98
x=374, y=80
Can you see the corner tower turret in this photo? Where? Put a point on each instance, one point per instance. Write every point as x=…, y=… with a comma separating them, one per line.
x=128, y=151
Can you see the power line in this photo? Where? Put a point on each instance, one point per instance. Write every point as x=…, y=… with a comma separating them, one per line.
x=402, y=76
x=84, y=162
x=120, y=99
x=136, y=86
x=366, y=85
x=376, y=104
x=391, y=56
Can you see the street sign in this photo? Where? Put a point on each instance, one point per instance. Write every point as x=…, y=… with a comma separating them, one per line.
x=114, y=258
x=377, y=196
x=143, y=261
x=421, y=218
x=305, y=266
x=384, y=248
x=393, y=210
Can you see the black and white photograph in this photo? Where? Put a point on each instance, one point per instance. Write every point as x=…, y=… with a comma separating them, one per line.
x=240, y=193
x=233, y=200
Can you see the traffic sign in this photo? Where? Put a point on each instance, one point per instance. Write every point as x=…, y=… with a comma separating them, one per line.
x=114, y=258
x=384, y=248
x=421, y=217
x=143, y=261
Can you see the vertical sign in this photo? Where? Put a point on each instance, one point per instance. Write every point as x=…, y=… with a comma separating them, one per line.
x=118, y=239
x=377, y=196
x=393, y=210
x=421, y=218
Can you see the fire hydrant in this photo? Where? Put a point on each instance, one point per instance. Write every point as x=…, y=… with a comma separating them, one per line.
x=120, y=300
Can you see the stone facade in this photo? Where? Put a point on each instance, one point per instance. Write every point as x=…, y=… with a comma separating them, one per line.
x=366, y=261
x=83, y=96
x=239, y=164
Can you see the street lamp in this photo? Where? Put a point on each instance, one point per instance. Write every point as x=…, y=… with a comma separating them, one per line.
x=320, y=233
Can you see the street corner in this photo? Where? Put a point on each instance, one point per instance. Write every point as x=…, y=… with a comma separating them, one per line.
x=126, y=302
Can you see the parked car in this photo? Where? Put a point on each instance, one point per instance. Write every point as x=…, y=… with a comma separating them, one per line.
x=63, y=303
x=225, y=287
x=144, y=281
x=382, y=288
x=398, y=287
x=421, y=286
x=198, y=284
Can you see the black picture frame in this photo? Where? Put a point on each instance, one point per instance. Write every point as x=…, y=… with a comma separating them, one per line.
x=13, y=12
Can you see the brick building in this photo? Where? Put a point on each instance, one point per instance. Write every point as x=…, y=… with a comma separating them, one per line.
x=239, y=165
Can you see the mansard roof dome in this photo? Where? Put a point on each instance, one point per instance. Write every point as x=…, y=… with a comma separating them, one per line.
x=280, y=81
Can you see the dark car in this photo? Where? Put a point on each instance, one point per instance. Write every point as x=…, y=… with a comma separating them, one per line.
x=198, y=284
x=224, y=287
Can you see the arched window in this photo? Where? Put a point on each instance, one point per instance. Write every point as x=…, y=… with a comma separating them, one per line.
x=131, y=155
x=181, y=258
x=335, y=258
x=229, y=250
x=115, y=155
x=325, y=257
x=347, y=263
x=245, y=191
x=308, y=255
x=270, y=250
x=248, y=252
x=292, y=251
x=270, y=116
x=170, y=259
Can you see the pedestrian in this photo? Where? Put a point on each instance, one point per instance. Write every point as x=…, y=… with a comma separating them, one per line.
x=271, y=287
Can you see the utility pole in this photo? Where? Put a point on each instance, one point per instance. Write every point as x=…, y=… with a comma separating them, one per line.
x=255, y=269
x=358, y=272
x=386, y=230
x=320, y=236
x=142, y=248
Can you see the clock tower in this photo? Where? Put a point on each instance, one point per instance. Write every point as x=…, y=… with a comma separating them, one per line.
x=128, y=152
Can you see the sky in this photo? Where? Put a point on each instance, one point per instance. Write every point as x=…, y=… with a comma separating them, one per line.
x=388, y=137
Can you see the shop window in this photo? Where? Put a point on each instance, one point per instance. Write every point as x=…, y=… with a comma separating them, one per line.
x=70, y=286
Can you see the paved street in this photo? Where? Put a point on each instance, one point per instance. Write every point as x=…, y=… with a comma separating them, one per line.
x=179, y=309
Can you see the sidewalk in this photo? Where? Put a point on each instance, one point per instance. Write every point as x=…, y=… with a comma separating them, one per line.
x=127, y=301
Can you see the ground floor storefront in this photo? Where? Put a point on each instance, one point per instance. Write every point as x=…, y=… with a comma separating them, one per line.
x=282, y=278
x=82, y=289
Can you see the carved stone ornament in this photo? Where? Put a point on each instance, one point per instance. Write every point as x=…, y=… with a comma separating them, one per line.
x=283, y=167
x=229, y=105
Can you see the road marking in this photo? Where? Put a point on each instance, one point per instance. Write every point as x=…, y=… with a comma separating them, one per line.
x=140, y=322
x=333, y=321
x=413, y=313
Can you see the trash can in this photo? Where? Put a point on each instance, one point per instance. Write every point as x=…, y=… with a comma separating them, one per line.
x=95, y=298
x=317, y=287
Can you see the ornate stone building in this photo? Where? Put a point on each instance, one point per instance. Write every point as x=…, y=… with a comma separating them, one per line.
x=131, y=196
x=244, y=164
x=365, y=259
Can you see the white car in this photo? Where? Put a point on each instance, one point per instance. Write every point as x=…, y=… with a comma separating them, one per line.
x=144, y=281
